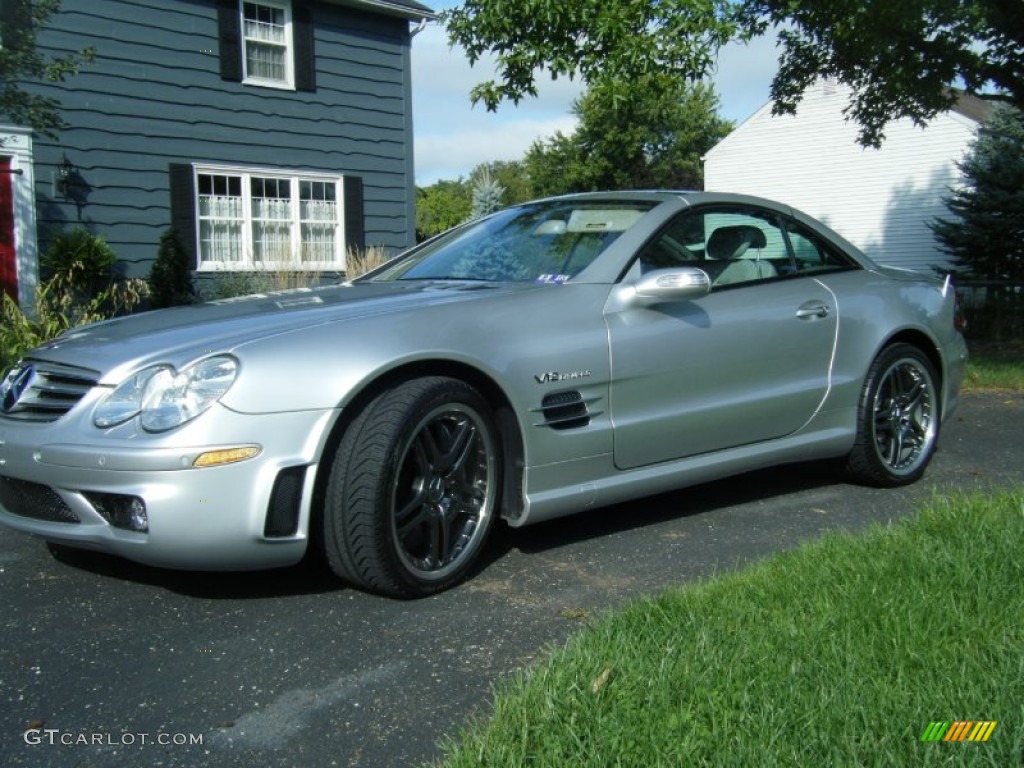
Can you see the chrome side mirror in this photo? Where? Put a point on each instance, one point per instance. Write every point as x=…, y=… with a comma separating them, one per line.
x=673, y=284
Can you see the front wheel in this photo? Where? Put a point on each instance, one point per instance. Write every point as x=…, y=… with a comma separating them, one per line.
x=413, y=489
x=897, y=420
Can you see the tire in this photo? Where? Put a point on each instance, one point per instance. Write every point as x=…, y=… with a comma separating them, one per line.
x=897, y=419
x=413, y=489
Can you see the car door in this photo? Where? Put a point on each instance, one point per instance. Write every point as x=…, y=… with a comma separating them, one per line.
x=748, y=362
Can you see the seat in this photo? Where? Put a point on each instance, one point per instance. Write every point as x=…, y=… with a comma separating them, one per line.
x=732, y=245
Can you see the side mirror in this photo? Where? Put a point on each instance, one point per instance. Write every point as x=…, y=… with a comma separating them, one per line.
x=674, y=284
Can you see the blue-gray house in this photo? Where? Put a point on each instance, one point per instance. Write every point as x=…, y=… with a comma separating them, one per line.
x=272, y=134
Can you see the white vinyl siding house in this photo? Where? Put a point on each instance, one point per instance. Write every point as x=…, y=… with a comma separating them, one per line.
x=881, y=200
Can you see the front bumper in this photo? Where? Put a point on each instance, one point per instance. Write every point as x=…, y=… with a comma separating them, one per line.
x=199, y=518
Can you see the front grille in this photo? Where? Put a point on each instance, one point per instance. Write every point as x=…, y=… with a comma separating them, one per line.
x=40, y=502
x=47, y=391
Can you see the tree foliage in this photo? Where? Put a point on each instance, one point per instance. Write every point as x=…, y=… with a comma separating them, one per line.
x=446, y=204
x=441, y=206
x=643, y=134
x=899, y=58
x=20, y=60
x=511, y=175
x=487, y=195
x=595, y=39
x=986, y=237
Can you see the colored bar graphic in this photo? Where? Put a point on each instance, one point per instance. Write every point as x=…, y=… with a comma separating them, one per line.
x=935, y=731
x=982, y=731
x=959, y=730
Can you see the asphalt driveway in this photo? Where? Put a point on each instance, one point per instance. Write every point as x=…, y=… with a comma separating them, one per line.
x=112, y=664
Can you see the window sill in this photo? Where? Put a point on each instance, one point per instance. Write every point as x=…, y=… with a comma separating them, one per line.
x=272, y=84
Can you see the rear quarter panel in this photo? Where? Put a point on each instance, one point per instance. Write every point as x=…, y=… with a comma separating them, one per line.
x=876, y=308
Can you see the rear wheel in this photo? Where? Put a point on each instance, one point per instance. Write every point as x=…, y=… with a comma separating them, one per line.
x=413, y=489
x=898, y=419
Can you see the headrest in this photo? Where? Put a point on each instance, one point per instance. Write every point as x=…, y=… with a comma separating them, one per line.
x=731, y=242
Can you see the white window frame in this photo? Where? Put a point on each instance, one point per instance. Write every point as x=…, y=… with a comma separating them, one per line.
x=247, y=263
x=288, y=83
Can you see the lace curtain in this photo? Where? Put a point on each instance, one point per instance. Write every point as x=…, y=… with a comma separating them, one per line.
x=220, y=228
x=265, y=42
x=319, y=226
x=271, y=229
x=267, y=225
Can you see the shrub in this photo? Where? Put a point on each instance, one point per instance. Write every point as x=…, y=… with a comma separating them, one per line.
x=81, y=261
x=58, y=308
x=170, y=277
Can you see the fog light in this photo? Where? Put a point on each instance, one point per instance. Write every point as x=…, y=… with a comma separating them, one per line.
x=128, y=512
x=137, y=519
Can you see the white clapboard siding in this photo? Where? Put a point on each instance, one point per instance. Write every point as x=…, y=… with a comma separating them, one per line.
x=881, y=200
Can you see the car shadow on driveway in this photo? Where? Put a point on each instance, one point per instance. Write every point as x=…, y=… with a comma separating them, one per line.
x=313, y=577
x=306, y=578
x=758, y=486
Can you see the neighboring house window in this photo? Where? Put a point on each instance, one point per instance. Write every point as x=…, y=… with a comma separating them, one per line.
x=266, y=38
x=267, y=43
x=256, y=219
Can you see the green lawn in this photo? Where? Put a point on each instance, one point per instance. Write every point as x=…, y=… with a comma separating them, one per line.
x=996, y=367
x=839, y=653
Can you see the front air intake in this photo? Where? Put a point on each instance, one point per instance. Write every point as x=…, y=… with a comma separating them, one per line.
x=285, y=501
x=39, y=502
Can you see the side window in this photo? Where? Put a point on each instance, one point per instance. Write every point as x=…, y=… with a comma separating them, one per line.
x=733, y=245
x=812, y=254
x=680, y=244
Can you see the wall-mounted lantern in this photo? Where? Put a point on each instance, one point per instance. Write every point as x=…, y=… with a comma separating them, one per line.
x=63, y=178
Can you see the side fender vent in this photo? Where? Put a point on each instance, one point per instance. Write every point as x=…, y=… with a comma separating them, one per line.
x=564, y=410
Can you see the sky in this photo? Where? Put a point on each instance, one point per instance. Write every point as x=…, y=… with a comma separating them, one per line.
x=452, y=136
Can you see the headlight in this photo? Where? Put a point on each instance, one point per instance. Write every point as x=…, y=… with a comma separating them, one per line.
x=166, y=399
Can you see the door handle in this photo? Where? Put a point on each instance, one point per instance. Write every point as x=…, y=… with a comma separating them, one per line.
x=813, y=309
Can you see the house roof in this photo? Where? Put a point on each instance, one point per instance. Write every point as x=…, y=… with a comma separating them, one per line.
x=406, y=9
x=972, y=107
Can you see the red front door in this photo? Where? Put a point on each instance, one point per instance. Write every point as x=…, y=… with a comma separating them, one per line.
x=8, y=265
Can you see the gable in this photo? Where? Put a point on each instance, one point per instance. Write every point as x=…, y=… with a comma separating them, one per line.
x=879, y=199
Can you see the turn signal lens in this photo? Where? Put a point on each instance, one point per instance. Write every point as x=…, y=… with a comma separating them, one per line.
x=225, y=456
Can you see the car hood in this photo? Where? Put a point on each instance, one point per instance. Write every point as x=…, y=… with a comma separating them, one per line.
x=179, y=335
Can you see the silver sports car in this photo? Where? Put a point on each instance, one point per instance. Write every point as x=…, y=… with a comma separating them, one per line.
x=551, y=358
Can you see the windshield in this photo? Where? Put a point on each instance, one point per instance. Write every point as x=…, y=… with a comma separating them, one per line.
x=545, y=242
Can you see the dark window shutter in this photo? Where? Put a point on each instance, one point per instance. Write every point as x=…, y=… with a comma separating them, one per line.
x=305, y=57
x=183, y=207
x=229, y=31
x=355, y=228
x=17, y=22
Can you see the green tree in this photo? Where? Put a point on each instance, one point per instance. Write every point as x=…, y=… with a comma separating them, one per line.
x=511, y=175
x=20, y=60
x=899, y=58
x=441, y=206
x=986, y=235
x=649, y=133
x=487, y=194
